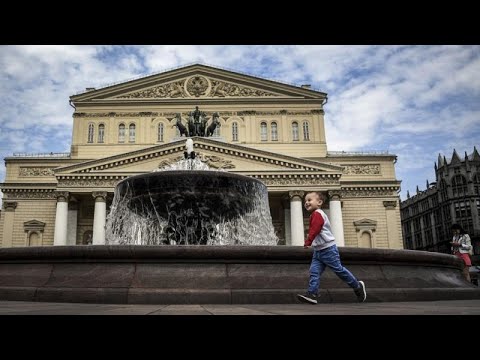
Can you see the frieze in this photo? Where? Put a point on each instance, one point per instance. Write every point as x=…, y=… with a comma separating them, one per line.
x=366, y=193
x=36, y=171
x=373, y=169
x=297, y=181
x=88, y=183
x=224, y=89
x=121, y=114
x=216, y=162
x=30, y=195
x=319, y=111
x=170, y=90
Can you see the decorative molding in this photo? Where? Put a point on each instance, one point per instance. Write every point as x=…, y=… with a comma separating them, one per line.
x=62, y=196
x=10, y=205
x=390, y=205
x=371, y=169
x=216, y=162
x=99, y=196
x=299, y=113
x=36, y=171
x=29, y=194
x=171, y=90
x=365, y=224
x=33, y=225
x=318, y=111
x=246, y=112
x=367, y=193
x=88, y=183
x=334, y=195
x=225, y=89
x=285, y=181
x=296, y=193
x=197, y=86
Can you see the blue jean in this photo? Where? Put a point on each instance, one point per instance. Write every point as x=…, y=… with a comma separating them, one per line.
x=331, y=258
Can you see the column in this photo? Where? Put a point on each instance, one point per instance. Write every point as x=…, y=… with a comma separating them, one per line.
x=336, y=218
x=9, y=214
x=296, y=218
x=99, y=217
x=61, y=218
x=72, y=222
x=286, y=213
x=393, y=238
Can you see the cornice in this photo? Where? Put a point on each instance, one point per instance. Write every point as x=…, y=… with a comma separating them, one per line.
x=200, y=144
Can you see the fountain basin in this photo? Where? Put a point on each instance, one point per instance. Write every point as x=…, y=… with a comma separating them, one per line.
x=129, y=274
x=213, y=194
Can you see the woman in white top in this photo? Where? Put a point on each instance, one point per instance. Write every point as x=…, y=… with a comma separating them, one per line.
x=461, y=247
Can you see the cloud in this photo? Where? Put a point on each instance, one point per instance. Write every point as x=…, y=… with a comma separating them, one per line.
x=413, y=101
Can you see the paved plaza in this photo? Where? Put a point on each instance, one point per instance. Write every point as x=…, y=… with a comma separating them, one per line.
x=455, y=307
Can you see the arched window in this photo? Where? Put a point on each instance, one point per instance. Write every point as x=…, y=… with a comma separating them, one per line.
x=295, y=131
x=160, y=132
x=306, y=132
x=101, y=133
x=131, y=133
x=263, y=131
x=235, y=131
x=459, y=186
x=91, y=130
x=121, y=133
x=274, y=131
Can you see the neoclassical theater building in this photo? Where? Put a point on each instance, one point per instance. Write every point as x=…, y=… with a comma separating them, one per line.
x=268, y=130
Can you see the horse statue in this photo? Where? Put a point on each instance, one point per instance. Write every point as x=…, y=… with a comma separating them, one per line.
x=181, y=128
x=215, y=122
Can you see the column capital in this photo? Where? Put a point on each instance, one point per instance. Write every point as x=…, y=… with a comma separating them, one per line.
x=390, y=205
x=62, y=196
x=296, y=193
x=334, y=195
x=99, y=195
x=10, y=205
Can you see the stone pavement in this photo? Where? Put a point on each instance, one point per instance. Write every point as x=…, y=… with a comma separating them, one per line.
x=454, y=307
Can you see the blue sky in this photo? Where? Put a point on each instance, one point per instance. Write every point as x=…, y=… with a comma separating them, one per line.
x=412, y=101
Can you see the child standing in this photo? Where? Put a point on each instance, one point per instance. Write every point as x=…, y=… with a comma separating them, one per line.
x=325, y=252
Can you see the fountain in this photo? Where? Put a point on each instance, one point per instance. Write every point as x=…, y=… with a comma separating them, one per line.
x=187, y=203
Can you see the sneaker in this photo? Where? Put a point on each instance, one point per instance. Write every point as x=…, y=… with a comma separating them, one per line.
x=361, y=292
x=308, y=298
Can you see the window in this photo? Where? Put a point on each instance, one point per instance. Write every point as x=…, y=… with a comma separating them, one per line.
x=274, y=131
x=121, y=133
x=131, y=133
x=235, y=131
x=101, y=133
x=443, y=191
x=459, y=186
x=295, y=131
x=263, y=131
x=476, y=184
x=306, y=133
x=160, y=132
x=90, y=132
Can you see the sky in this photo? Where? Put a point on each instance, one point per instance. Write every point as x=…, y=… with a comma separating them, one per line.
x=413, y=101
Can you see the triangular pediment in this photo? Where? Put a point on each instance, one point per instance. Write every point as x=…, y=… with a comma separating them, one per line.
x=196, y=82
x=365, y=222
x=216, y=154
x=34, y=223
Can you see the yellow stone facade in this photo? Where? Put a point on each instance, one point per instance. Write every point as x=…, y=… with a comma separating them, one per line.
x=268, y=130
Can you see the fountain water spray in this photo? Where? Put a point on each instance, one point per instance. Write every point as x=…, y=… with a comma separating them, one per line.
x=187, y=203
